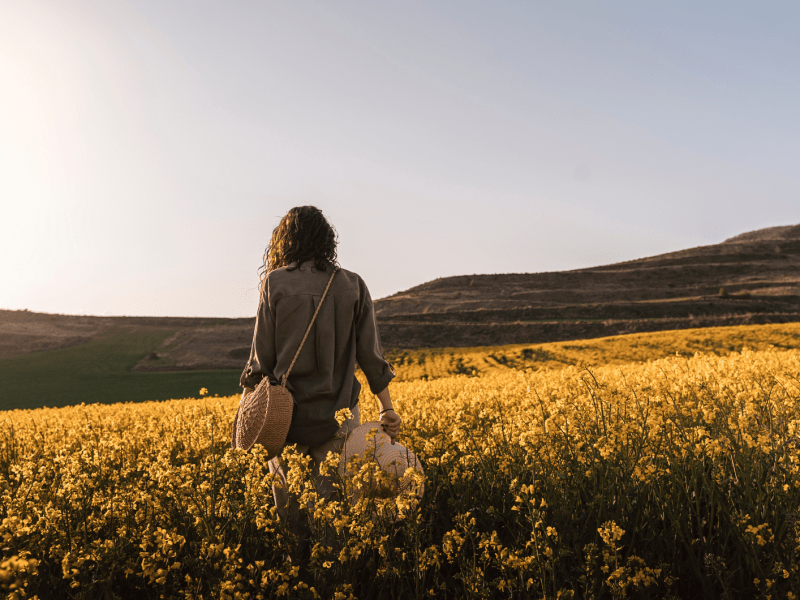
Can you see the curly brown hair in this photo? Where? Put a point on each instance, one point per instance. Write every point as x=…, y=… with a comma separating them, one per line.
x=303, y=234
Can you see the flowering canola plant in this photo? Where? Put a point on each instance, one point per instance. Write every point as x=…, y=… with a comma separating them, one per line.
x=672, y=478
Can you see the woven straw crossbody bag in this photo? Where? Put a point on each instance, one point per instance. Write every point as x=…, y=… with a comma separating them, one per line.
x=265, y=414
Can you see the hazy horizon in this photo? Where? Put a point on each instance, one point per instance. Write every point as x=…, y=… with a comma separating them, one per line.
x=149, y=149
x=253, y=316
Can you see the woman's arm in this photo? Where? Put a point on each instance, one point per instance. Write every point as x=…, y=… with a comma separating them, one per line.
x=390, y=420
x=369, y=356
x=262, y=352
x=385, y=400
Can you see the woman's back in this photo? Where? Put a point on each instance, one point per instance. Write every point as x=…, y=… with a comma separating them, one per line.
x=344, y=333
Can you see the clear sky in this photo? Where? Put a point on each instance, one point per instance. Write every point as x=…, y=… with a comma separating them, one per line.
x=149, y=148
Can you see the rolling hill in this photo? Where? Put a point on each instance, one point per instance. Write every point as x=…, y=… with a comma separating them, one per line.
x=753, y=278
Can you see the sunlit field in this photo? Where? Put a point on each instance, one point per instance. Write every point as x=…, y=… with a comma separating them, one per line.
x=676, y=477
x=431, y=363
x=100, y=370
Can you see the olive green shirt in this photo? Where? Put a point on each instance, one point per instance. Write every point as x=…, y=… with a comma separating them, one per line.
x=344, y=333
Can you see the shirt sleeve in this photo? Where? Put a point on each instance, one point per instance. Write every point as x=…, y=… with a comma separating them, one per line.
x=262, y=353
x=369, y=355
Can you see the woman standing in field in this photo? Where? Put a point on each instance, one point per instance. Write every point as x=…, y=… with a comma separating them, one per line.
x=296, y=270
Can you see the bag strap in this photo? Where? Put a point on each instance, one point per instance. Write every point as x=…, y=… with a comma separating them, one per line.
x=296, y=354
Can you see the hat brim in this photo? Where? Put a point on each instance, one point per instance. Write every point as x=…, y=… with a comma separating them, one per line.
x=394, y=459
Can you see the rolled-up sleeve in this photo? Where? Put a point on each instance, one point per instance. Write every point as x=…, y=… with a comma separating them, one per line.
x=369, y=355
x=262, y=353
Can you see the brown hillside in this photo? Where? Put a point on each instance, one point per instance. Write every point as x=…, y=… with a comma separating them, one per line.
x=760, y=267
x=758, y=273
x=751, y=278
x=197, y=343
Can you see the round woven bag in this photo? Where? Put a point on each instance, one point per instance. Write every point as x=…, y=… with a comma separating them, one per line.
x=371, y=443
x=264, y=417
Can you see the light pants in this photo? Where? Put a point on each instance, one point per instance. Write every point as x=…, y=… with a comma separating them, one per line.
x=287, y=504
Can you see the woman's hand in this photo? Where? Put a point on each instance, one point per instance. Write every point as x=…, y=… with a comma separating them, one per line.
x=391, y=422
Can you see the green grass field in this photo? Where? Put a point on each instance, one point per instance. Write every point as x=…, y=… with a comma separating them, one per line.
x=100, y=371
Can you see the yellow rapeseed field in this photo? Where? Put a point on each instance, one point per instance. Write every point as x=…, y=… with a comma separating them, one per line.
x=432, y=363
x=676, y=478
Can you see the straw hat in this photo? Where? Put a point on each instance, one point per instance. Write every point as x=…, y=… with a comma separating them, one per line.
x=264, y=417
x=371, y=443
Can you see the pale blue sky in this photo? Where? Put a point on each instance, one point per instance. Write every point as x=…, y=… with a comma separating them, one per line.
x=148, y=148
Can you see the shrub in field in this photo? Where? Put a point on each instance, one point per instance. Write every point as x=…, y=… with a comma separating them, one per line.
x=673, y=478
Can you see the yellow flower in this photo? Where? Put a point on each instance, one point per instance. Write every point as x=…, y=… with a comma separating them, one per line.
x=98, y=475
x=343, y=415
